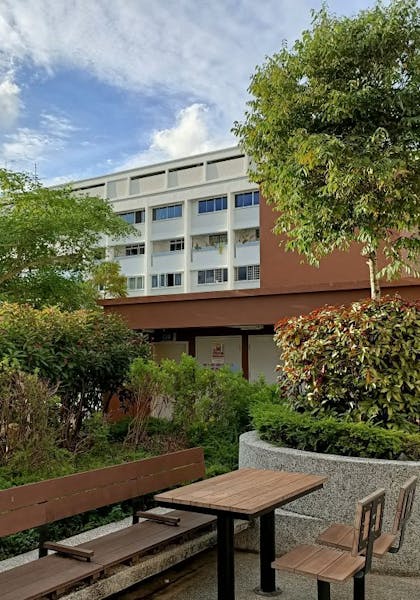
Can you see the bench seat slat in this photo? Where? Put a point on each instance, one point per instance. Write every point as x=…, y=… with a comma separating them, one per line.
x=44, y=576
x=120, y=546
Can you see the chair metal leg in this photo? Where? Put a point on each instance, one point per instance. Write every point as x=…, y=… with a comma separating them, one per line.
x=324, y=590
x=359, y=587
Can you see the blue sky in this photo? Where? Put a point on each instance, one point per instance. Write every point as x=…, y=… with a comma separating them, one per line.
x=93, y=86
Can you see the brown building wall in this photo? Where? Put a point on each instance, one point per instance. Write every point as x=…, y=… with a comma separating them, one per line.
x=288, y=288
x=283, y=271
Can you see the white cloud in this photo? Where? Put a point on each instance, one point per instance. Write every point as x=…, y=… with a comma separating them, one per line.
x=205, y=51
x=26, y=146
x=9, y=102
x=191, y=134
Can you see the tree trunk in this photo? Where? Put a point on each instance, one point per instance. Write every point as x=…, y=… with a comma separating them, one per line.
x=375, y=290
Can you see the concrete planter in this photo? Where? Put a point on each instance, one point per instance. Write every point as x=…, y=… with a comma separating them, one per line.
x=348, y=479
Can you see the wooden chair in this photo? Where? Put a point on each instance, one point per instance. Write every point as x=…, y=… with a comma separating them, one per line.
x=340, y=536
x=330, y=565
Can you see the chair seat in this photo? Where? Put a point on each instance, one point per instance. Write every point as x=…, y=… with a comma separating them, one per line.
x=324, y=564
x=341, y=536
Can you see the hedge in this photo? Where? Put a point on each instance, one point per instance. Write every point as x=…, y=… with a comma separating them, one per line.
x=282, y=426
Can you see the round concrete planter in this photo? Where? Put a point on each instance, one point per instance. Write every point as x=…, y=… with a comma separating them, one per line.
x=348, y=479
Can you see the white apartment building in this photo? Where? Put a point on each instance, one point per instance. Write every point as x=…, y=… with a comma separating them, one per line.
x=196, y=221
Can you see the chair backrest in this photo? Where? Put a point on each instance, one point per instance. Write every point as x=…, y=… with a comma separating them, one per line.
x=404, y=504
x=368, y=525
x=36, y=504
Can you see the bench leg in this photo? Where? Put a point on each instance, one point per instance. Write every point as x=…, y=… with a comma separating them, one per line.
x=225, y=559
x=359, y=587
x=324, y=590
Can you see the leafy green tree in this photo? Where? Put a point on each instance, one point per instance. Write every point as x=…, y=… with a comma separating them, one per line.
x=333, y=132
x=107, y=277
x=48, y=241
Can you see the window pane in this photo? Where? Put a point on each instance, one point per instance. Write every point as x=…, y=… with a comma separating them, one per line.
x=218, y=203
x=140, y=216
x=225, y=274
x=201, y=277
x=241, y=273
x=202, y=204
x=256, y=197
x=239, y=200
x=178, y=279
x=210, y=276
x=247, y=199
x=170, y=281
x=154, y=281
x=178, y=210
x=128, y=217
x=210, y=205
x=162, y=281
x=224, y=202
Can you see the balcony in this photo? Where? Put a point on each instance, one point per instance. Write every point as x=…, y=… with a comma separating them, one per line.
x=209, y=257
x=132, y=265
x=167, y=261
x=247, y=254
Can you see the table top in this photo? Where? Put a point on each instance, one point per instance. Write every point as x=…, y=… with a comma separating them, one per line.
x=248, y=492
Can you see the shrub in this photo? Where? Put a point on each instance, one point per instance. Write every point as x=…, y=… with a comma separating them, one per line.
x=361, y=362
x=86, y=354
x=282, y=426
x=28, y=420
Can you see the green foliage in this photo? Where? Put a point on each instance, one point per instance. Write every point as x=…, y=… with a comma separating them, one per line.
x=85, y=353
x=48, y=240
x=212, y=408
x=333, y=131
x=107, y=277
x=360, y=362
x=282, y=426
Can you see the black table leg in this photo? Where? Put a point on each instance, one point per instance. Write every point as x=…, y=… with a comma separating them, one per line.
x=225, y=559
x=267, y=556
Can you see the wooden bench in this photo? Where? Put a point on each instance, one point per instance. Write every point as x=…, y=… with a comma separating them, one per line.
x=330, y=565
x=39, y=504
x=341, y=536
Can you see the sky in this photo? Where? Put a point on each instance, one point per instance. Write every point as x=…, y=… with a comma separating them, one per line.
x=89, y=87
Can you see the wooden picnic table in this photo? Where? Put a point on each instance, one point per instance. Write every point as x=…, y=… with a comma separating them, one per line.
x=243, y=494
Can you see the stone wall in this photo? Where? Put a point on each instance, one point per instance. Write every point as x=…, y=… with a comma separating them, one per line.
x=348, y=480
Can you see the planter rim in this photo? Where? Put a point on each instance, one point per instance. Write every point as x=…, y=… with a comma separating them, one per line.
x=253, y=438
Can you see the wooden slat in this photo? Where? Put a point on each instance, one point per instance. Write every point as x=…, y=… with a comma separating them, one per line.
x=122, y=545
x=341, y=536
x=41, y=577
x=337, y=535
x=342, y=569
x=36, y=504
x=291, y=561
x=321, y=560
x=245, y=491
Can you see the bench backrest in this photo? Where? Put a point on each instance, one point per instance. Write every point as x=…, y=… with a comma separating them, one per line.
x=368, y=525
x=37, y=504
x=404, y=504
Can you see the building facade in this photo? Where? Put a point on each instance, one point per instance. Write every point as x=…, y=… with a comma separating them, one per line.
x=205, y=274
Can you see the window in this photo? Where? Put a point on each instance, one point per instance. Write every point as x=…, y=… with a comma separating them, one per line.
x=247, y=199
x=212, y=205
x=135, y=283
x=176, y=245
x=167, y=212
x=166, y=280
x=130, y=250
x=134, y=217
x=212, y=276
x=217, y=239
x=251, y=272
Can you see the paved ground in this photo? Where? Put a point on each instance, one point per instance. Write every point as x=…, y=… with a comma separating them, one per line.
x=196, y=580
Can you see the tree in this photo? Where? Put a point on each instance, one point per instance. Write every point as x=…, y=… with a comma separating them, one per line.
x=107, y=277
x=49, y=241
x=333, y=132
